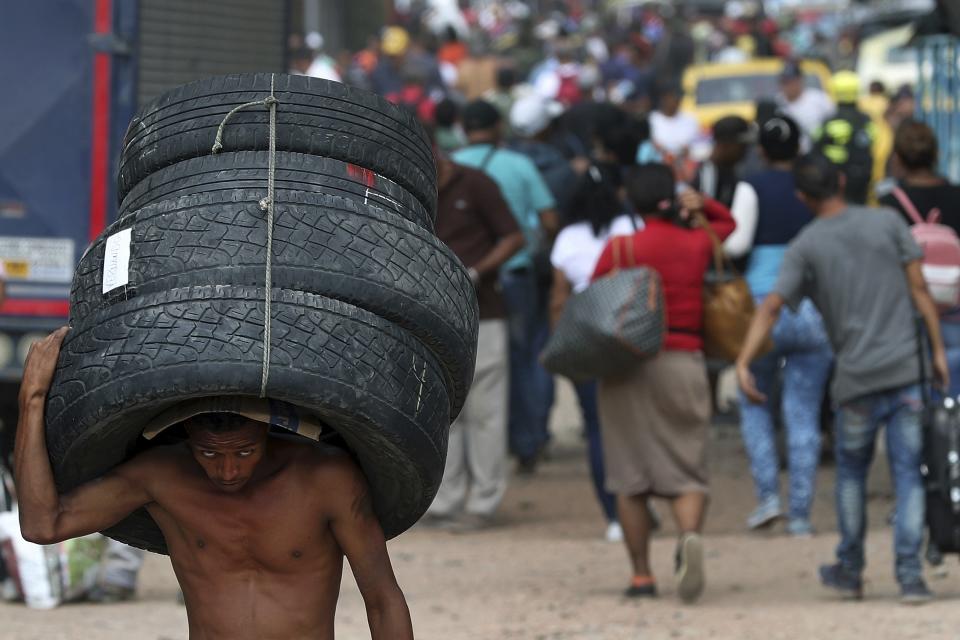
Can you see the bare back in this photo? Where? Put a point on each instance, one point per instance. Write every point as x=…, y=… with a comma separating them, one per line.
x=262, y=563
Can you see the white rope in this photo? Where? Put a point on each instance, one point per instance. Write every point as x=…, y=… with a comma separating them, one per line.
x=268, y=276
x=266, y=204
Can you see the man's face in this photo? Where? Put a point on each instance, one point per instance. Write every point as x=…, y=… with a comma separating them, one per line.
x=229, y=457
x=669, y=104
x=730, y=153
x=792, y=88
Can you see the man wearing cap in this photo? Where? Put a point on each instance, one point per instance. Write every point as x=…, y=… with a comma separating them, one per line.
x=533, y=206
x=808, y=106
x=848, y=136
x=718, y=176
x=387, y=78
x=531, y=120
x=256, y=526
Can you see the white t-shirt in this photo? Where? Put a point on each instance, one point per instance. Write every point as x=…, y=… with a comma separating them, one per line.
x=576, y=250
x=674, y=134
x=810, y=110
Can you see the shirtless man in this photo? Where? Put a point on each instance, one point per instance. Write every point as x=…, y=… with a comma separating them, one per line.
x=256, y=527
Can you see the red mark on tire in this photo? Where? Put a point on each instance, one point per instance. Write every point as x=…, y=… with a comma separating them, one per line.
x=367, y=177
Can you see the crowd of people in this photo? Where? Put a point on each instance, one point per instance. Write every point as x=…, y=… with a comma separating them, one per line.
x=573, y=135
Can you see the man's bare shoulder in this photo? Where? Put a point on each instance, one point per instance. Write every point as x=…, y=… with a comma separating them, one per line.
x=323, y=460
x=157, y=463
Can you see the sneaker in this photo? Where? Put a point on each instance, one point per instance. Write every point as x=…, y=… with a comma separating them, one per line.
x=835, y=577
x=690, y=575
x=915, y=593
x=766, y=513
x=527, y=465
x=800, y=528
x=641, y=587
x=614, y=532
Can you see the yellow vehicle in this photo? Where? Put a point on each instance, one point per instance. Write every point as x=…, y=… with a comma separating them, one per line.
x=712, y=91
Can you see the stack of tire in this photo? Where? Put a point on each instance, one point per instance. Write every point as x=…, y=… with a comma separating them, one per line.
x=373, y=319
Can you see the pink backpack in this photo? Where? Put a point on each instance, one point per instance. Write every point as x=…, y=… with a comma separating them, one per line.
x=941, y=253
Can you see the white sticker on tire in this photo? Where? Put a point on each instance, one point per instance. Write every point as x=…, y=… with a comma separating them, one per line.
x=116, y=261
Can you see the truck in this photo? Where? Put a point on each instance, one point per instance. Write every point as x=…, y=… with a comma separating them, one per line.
x=75, y=72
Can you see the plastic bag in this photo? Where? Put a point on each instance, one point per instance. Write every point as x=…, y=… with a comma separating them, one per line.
x=79, y=565
x=35, y=568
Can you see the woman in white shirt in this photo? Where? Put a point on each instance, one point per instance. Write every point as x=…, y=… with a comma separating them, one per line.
x=595, y=215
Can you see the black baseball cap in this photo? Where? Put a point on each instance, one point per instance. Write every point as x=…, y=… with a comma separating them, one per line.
x=780, y=138
x=479, y=115
x=791, y=70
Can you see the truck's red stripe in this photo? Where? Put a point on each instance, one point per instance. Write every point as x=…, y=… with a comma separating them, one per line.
x=24, y=307
x=100, y=147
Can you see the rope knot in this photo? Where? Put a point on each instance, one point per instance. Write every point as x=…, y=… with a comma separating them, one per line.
x=269, y=101
x=265, y=204
x=217, y=147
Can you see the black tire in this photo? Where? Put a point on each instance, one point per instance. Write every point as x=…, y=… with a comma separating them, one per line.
x=317, y=117
x=378, y=388
x=326, y=245
x=294, y=172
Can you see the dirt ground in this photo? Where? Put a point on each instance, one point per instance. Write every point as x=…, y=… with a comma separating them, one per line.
x=546, y=574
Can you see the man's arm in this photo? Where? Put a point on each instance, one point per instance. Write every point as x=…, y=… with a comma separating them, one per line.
x=45, y=516
x=550, y=222
x=358, y=532
x=502, y=225
x=745, y=213
x=505, y=248
x=928, y=310
x=764, y=319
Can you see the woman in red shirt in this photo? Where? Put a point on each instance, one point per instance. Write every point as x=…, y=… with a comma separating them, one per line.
x=655, y=418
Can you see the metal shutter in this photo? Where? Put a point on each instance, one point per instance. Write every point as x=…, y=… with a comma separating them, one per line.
x=185, y=40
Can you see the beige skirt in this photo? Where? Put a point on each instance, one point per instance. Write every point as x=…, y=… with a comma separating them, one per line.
x=655, y=423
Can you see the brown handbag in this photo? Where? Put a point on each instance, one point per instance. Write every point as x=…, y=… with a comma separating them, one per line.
x=727, y=305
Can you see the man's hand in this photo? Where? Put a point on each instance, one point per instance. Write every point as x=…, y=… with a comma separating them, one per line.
x=748, y=384
x=40, y=365
x=941, y=370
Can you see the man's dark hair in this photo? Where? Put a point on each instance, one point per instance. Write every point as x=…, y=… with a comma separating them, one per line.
x=766, y=109
x=780, y=138
x=817, y=177
x=733, y=130
x=446, y=113
x=651, y=189
x=479, y=115
x=916, y=145
x=623, y=138
x=506, y=78
x=221, y=422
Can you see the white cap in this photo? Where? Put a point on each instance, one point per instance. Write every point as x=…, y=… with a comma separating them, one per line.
x=532, y=114
x=314, y=40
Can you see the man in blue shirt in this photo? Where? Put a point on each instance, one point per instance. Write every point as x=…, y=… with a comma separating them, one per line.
x=533, y=206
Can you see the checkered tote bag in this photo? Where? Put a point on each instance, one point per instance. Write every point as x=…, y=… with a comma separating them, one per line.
x=611, y=326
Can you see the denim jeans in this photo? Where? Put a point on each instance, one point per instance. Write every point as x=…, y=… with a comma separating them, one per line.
x=858, y=422
x=587, y=397
x=531, y=387
x=801, y=347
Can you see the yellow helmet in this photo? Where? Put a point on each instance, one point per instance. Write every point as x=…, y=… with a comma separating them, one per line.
x=395, y=41
x=846, y=86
